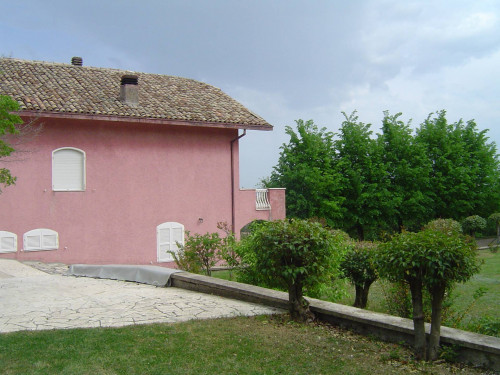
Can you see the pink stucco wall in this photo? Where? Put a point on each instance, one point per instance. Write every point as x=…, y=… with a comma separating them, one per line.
x=137, y=177
x=246, y=207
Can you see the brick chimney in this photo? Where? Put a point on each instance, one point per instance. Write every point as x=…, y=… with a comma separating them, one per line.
x=129, y=90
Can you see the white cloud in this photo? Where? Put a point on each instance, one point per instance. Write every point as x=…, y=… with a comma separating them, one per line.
x=468, y=91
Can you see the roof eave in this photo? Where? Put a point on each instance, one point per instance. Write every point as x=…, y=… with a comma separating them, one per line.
x=206, y=124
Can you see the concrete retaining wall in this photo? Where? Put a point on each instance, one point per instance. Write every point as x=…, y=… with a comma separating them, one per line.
x=472, y=348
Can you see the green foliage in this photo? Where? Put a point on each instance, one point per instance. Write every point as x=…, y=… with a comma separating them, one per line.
x=465, y=174
x=358, y=266
x=376, y=186
x=294, y=255
x=397, y=300
x=495, y=217
x=8, y=122
x=447, y=226
x=484, y=325
x=305, y=168
x=366, y=198
x=407, y=168
x=433, y=260
x=449, y=353
x=435, y=256
x=186, y=261
x=455, y=320
x=473, y=224
x=200, y=251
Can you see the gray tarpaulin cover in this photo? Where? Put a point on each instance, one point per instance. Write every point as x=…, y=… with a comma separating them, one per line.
x=154, y=275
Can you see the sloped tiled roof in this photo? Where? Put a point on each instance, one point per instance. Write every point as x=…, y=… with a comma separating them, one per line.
x=55, y=88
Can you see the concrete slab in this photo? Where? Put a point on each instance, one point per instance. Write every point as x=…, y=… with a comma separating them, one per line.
x=34, y=300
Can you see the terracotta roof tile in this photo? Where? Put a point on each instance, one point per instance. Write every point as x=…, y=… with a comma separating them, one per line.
x=70, y=89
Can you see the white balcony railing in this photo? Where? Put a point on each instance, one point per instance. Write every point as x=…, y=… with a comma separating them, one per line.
x=262, y=200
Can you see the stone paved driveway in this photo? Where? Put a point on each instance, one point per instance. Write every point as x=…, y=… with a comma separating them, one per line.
x=34, y=300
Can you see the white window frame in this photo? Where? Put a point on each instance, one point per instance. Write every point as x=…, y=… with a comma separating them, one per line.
x=43, y=235
x=57, y=185
x=170, y=244
x=9, y=236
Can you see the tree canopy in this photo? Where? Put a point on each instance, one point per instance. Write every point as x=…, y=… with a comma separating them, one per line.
x=306, y=169
x=399, y=179
x=8, y=122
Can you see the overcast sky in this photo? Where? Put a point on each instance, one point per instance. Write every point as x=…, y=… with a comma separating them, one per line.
x=285, y=59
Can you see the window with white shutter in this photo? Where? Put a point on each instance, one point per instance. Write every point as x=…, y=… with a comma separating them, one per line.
x=168, y=235
x=40, y=239
x=68, y=169
x=8, y=242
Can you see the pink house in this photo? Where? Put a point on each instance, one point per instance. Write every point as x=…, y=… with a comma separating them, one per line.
x=125, y=163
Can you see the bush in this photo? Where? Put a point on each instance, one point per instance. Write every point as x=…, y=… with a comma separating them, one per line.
x=358, y=266
x=433, y=260
x=447, y=226
x=473, y=224
x=293, y=255
x=199, y=252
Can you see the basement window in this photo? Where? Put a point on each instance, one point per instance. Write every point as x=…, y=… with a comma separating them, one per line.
x=8, y=242
x=41, y=239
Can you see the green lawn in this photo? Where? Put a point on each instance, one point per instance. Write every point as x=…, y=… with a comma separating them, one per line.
x=258, y=345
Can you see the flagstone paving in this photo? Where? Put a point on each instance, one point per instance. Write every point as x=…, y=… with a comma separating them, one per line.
x=31, y=299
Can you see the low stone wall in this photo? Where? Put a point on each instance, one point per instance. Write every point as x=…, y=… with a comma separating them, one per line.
x=472, y=348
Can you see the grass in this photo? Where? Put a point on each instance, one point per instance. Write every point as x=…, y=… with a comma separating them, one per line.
x=258, y=345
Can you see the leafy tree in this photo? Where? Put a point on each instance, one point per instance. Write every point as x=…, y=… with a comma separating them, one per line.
x=305, y=168
x=430, y=259
x=295, y=255
x=408, y=169
x=364, y=187
x=473, y=224
x=8, y=122
x=465, y=174
x=358, y=266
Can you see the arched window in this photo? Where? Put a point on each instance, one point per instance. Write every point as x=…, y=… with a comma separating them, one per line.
x=40, y=239
x=68, y=169
x=8, y=242
x=167, y=236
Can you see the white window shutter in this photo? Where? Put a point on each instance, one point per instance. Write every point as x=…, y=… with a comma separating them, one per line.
x=32, y=242
x=177, y=237
x=41, y=239
x=8, y=242
x=68, y=169
x=49, y=241
x=168, y=234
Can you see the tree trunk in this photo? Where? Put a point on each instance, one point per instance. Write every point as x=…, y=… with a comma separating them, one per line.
x=361, y=232
x=361, y=299
x=297, y=304
x=418, y=319
x=400, y=225
x=437, y=296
